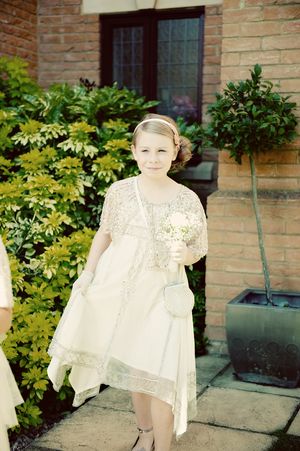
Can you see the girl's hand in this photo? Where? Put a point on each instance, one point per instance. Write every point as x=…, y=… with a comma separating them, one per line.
x=83, y=281
x=178, y=252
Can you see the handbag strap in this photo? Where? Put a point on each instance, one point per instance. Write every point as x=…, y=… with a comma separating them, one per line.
x=141, y=207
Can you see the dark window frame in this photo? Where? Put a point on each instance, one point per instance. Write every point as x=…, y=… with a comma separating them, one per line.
x=148, y=19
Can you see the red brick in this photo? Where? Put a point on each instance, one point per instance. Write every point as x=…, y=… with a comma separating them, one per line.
x=265, y=57
x=282, y=71
x=215, y=210
x=242, y=266
x=253, y=281
x=234, y=73
x=215, y=333
x=215, y=59
x=286, y=241
x=212, y=40
x=290, y=56
x=291, y=27
x=237, y=207
x=277, y=183
x=232, y=4
x=239, y=44
x=288, y=270
x=266, y=170
x=279, y=156
x=86, y=46
x=281, y=12
x=285, y=283
x=231, y=183
x=261, y=2
x=49, y=20
x=85, y=37
x=288, y=170
x=78, y=56
x=212, y=10
x=72, y=2
x=231, y=59
x=215, y=318
x=55, y=48
x=289, y=85
x=228, y=223
x=281, y=209
x=273, y=253
x=293, y=227
x=292, y=255
x=210, y=50
x=243, y=15
x=221, y=278
x=214, y=305
x=74, y=19
x=268, y=225
x=51, y=39
x=219, y=292
x=59, y=10
x=279, y=42
x=260, y=29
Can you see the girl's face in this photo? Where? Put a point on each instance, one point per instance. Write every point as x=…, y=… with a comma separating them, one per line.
x=154, y=153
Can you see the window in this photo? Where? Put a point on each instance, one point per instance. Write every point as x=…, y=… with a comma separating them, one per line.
x=159, y=55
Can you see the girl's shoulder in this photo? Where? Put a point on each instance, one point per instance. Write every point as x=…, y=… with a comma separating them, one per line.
x=120, y=185
x=121, y=189
x=188, y=194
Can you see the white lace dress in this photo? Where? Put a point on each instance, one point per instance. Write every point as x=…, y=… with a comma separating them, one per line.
x=120, y=333
x=9, y=393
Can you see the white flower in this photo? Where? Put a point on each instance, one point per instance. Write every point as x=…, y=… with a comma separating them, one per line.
x=178, y=220
x=179, y=227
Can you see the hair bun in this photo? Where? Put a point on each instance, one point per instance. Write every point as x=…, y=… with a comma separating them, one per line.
x=184, y=153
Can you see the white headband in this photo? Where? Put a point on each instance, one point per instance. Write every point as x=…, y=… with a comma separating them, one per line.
x=171, y=126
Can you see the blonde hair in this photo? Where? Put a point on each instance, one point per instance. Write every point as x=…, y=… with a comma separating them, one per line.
x=164, y=125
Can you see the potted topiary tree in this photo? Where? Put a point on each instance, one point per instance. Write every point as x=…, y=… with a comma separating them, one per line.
x=262, y=326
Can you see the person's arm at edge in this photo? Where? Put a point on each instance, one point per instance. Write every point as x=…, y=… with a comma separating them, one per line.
x=5, y=319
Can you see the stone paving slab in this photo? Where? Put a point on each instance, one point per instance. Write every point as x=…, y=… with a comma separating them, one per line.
x=202, y=437
x=208, y=367
x=114, y=399
x=239, y=409
x=228, y=380
x=99, y=429
x=228, y=419
x=294, y=428
x=92, y=429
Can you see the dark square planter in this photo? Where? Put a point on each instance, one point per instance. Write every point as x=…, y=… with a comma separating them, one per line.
x=264, y=340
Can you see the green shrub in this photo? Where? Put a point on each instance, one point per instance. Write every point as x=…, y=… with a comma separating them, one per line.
x=59, y=151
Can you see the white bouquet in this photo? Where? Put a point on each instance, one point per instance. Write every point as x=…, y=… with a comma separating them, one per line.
x=178, y=227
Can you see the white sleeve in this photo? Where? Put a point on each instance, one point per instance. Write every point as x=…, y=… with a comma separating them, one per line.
x=6, y=297
x=198, y=243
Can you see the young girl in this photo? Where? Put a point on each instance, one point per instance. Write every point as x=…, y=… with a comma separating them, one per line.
x=9, y=393
x=116, y=329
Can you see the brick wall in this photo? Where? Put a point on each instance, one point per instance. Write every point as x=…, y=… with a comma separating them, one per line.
x=18, y=31
x=264, y=32
x=68, y=43
x=212, y=56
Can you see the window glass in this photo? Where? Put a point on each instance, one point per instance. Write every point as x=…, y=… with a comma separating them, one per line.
x=159, y=55
x=178, y=67
x=128, y=57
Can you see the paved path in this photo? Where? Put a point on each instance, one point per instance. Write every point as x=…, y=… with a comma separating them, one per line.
x=232, y=416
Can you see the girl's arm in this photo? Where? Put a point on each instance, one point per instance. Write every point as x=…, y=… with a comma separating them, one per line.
x=5, y=319
x=100, y=243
